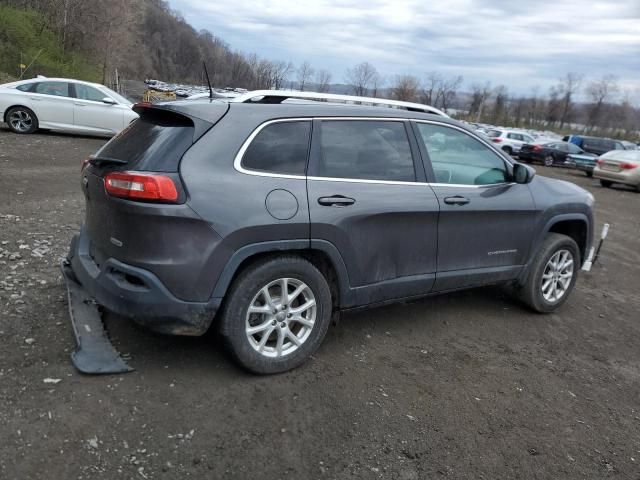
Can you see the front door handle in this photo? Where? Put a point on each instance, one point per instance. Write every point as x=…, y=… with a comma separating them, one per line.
x=336, y=201
x=456, y=200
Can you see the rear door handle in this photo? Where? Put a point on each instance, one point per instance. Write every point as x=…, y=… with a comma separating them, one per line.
x=80, y=104
x=336, y=201
x=37, y=99
x=456, y=200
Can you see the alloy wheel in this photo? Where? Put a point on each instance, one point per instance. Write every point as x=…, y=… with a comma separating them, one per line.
x=280, y=317
x=557, y=276
x=20, y=120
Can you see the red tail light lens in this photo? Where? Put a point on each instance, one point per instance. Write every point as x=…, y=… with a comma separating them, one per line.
x=628, y=166
x=537, y=148
x=600, y=162
x=141, y=186
x=496, y=140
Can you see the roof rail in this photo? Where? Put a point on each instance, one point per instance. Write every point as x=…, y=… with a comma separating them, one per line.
x=278, y=96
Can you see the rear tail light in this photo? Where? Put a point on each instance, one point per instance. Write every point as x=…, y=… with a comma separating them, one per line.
x=141, y=186
x=496, y=140
x=537, y=148
x=600, y=162
x=628, y=166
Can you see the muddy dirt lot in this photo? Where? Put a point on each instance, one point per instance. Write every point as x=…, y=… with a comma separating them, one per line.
x=470, y=385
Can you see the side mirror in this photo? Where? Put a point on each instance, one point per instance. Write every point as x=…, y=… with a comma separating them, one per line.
x=109, y=101
x=523, y=173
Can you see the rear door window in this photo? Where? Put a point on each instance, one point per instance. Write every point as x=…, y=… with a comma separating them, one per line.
x=366, y=150
x=280, y=148
x=155, y=142
x=56, y=89
x=458, y=158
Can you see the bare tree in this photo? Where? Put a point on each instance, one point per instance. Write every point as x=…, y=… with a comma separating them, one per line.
x=500, y=104
x=305, y=72
x=568, y=87
x=280, y=73
x=406, y=88
x=323, y=79
x=447, y=90
x=600, y=91
x=361, y=77
x=430, y=90
x=480, y=96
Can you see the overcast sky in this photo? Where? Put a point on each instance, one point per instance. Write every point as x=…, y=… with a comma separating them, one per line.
x=517, y=43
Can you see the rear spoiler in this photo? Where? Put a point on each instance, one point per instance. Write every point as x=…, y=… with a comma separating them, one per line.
x=203, y=116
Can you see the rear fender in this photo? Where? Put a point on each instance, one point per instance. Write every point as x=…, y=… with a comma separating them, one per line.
x=253, y=250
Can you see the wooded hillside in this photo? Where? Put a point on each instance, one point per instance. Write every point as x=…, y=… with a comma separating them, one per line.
x=141, y=38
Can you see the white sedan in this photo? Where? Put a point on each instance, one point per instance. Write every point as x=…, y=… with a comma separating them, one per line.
x=64, y=105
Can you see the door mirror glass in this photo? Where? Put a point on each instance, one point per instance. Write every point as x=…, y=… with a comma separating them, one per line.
x=109, y=101
x=522, y=173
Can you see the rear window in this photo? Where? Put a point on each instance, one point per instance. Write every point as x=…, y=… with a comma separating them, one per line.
x=155, y=142
x=494, y=133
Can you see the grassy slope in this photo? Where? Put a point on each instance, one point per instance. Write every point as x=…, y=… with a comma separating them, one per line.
x=26, y=32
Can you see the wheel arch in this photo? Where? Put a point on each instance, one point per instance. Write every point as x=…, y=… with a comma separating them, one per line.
x=573, y=225
x=322, y=254
x=11, y=107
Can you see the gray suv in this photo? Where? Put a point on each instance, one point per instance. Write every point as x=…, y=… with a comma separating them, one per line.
x=266, y=218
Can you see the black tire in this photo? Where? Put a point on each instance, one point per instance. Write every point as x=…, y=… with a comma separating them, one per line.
x=531, y=291
x=238, y=300
x=29, y=123
x=507, y=150
x=589, y=174
x=605, y=183
x=548, y=161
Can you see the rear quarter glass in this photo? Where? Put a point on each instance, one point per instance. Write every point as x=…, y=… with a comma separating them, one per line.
x=154, y=143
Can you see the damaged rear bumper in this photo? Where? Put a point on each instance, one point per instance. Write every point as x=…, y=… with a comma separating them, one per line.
x=137, y=294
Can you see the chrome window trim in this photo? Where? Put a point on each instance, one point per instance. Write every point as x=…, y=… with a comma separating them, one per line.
x=237, y=163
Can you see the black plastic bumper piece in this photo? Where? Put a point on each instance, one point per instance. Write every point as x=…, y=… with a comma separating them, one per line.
x=94, y=353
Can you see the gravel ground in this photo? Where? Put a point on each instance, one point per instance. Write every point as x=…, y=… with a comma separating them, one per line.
x=469, y=385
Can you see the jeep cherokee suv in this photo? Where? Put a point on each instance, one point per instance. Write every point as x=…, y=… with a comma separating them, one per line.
x=268, y=217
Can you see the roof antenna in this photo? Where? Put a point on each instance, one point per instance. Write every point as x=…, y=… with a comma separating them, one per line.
x=208, y=81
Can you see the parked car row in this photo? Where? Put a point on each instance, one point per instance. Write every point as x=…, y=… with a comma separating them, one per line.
x=184, y=91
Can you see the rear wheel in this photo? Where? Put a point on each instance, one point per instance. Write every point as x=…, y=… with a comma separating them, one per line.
x=548, y=161
x=276, y=314
x=605, y=183
x=552, y=275
x=22, y=120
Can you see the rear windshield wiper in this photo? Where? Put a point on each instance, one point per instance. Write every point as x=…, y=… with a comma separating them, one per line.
x=102, y=160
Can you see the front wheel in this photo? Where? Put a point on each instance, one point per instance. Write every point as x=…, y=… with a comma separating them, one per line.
x=276, y=314
x=552, y=274
x=22, y=120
